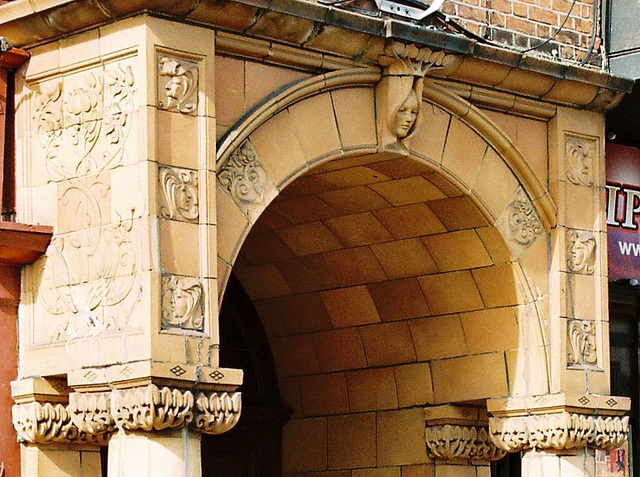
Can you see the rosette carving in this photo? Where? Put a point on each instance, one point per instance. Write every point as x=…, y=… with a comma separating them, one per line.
x=450, y=442
x=179, y=194
x=152, y=408
x=217, y=412
x=558, y=431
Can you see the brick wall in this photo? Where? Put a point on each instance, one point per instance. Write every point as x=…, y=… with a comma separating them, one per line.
x=528, y=23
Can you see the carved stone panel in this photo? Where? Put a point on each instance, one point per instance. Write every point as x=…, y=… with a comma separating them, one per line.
x=581, y=344
x=520, y=223
x=580, y=155
x=182, y=303
x=178, y=194
x=177, y=84
x=453, y=442
x=581, y=252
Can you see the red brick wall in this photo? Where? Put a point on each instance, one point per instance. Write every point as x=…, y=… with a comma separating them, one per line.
x=526, y=23
x=9, y=294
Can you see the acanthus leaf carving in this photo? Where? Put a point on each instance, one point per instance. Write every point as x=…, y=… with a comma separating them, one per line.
x=216, y=413
x=180, y=91
x=182, y=303
x=152, y=408
x=91, y=413
x=179, y=194
x=524, y=226
x=458, y=442
x=244, y=176
x=581, y=344
x=582, y=252
x=558, y=431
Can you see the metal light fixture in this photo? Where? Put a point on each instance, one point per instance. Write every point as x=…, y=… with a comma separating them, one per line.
x=413, y=9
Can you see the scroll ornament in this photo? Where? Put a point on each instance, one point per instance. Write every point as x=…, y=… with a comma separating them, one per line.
x=558, y=431
x=461, y=443
x=524, y=224
x=180, y=90
x=179, y=194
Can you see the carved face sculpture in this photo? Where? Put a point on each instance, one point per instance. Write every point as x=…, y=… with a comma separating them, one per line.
x=582, y=257
x=406, y=116
x=175, y=88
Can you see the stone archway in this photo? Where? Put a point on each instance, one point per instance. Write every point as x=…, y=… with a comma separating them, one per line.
x=385, y=281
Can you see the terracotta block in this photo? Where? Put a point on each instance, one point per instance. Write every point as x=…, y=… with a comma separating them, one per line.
x=495, y=329
x=377, y=472
x=410, y=221
x=387, y=344
x=355, y=112
x=229, y=87
x=408, y=191
x=399, y=299
x=401, y=437
x=414, y=384
x=494, y=244
x=297, y=314
x=262, y=80
x=372, y=389
x=310, y=238
x=304, y=445
x=264, y=247
x=316, y=127
x=531, y=139
x=307, y=274
x=263, y=281
x=418, y=470
x=457, y=250
x=495, y=194
x=352, y=441
x=497, y=285
x=582, y=209
x=352, y=177
x=231, y=227
x=350, y=306
x=463, y=152
x=324, y=394
x=528, y=374
x=455, y=470
x=303, y=210
x=340, y=349
x=458, y=213
x=469, y=377
x=451, y=292
x=505, y=122
x=534, y=262
x=354, y=266
x=354, y=200
x=177, y=142
x=180, y=248
x=404, y=258
x=306, y=185
x=438, y=337
x=400, y=167
x=290, y=395
x=358, y=229
x=429, y=138
x=294, y=355
x=277, y=139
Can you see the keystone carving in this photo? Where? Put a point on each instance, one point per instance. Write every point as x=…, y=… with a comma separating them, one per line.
x=46, y=423
x=558, y=431
x=580, y=157
x=450, y=442
x=182, y=303
x=582, y=252
x=217, y=412
x=581, y=343
x=177, y=85
x=179, y=198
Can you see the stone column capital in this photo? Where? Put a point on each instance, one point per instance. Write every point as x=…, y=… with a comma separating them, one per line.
x=558, y=422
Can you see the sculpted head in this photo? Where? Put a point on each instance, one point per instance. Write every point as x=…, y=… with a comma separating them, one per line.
x=406, y=116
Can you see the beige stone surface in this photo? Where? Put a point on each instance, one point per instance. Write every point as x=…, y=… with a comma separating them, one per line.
x=352, y=441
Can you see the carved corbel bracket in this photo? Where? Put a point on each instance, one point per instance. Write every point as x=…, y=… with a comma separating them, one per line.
x=459, y=433
x=558, y=422
x=217, y=413
x=399, y=92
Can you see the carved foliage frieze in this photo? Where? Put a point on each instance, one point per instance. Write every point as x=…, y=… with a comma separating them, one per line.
x=580, y=155
x=177, y=84
x=178, y=194
x=182, y=303
x=216, y=413
x=91, y=267
x=91, y=413
x=244, y=177
x=582, y=252
x=558, y=431
x=581, y=344
x=82, y=122
x=453, y=442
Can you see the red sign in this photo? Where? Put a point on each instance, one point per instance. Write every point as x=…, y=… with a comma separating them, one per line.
x=623, y=211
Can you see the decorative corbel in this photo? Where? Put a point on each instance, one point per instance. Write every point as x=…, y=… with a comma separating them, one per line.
x=399, y=92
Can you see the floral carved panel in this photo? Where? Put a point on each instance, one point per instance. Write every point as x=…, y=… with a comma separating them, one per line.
x=182, y=303
x=83, y=120
x=519, y=223
x=581, y=344
x=177, y=84
x=178, y=194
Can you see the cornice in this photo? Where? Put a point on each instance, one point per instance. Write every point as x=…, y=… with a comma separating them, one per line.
x=345, y=37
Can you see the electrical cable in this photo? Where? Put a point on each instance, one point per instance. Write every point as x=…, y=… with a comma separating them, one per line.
x=594, y=26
